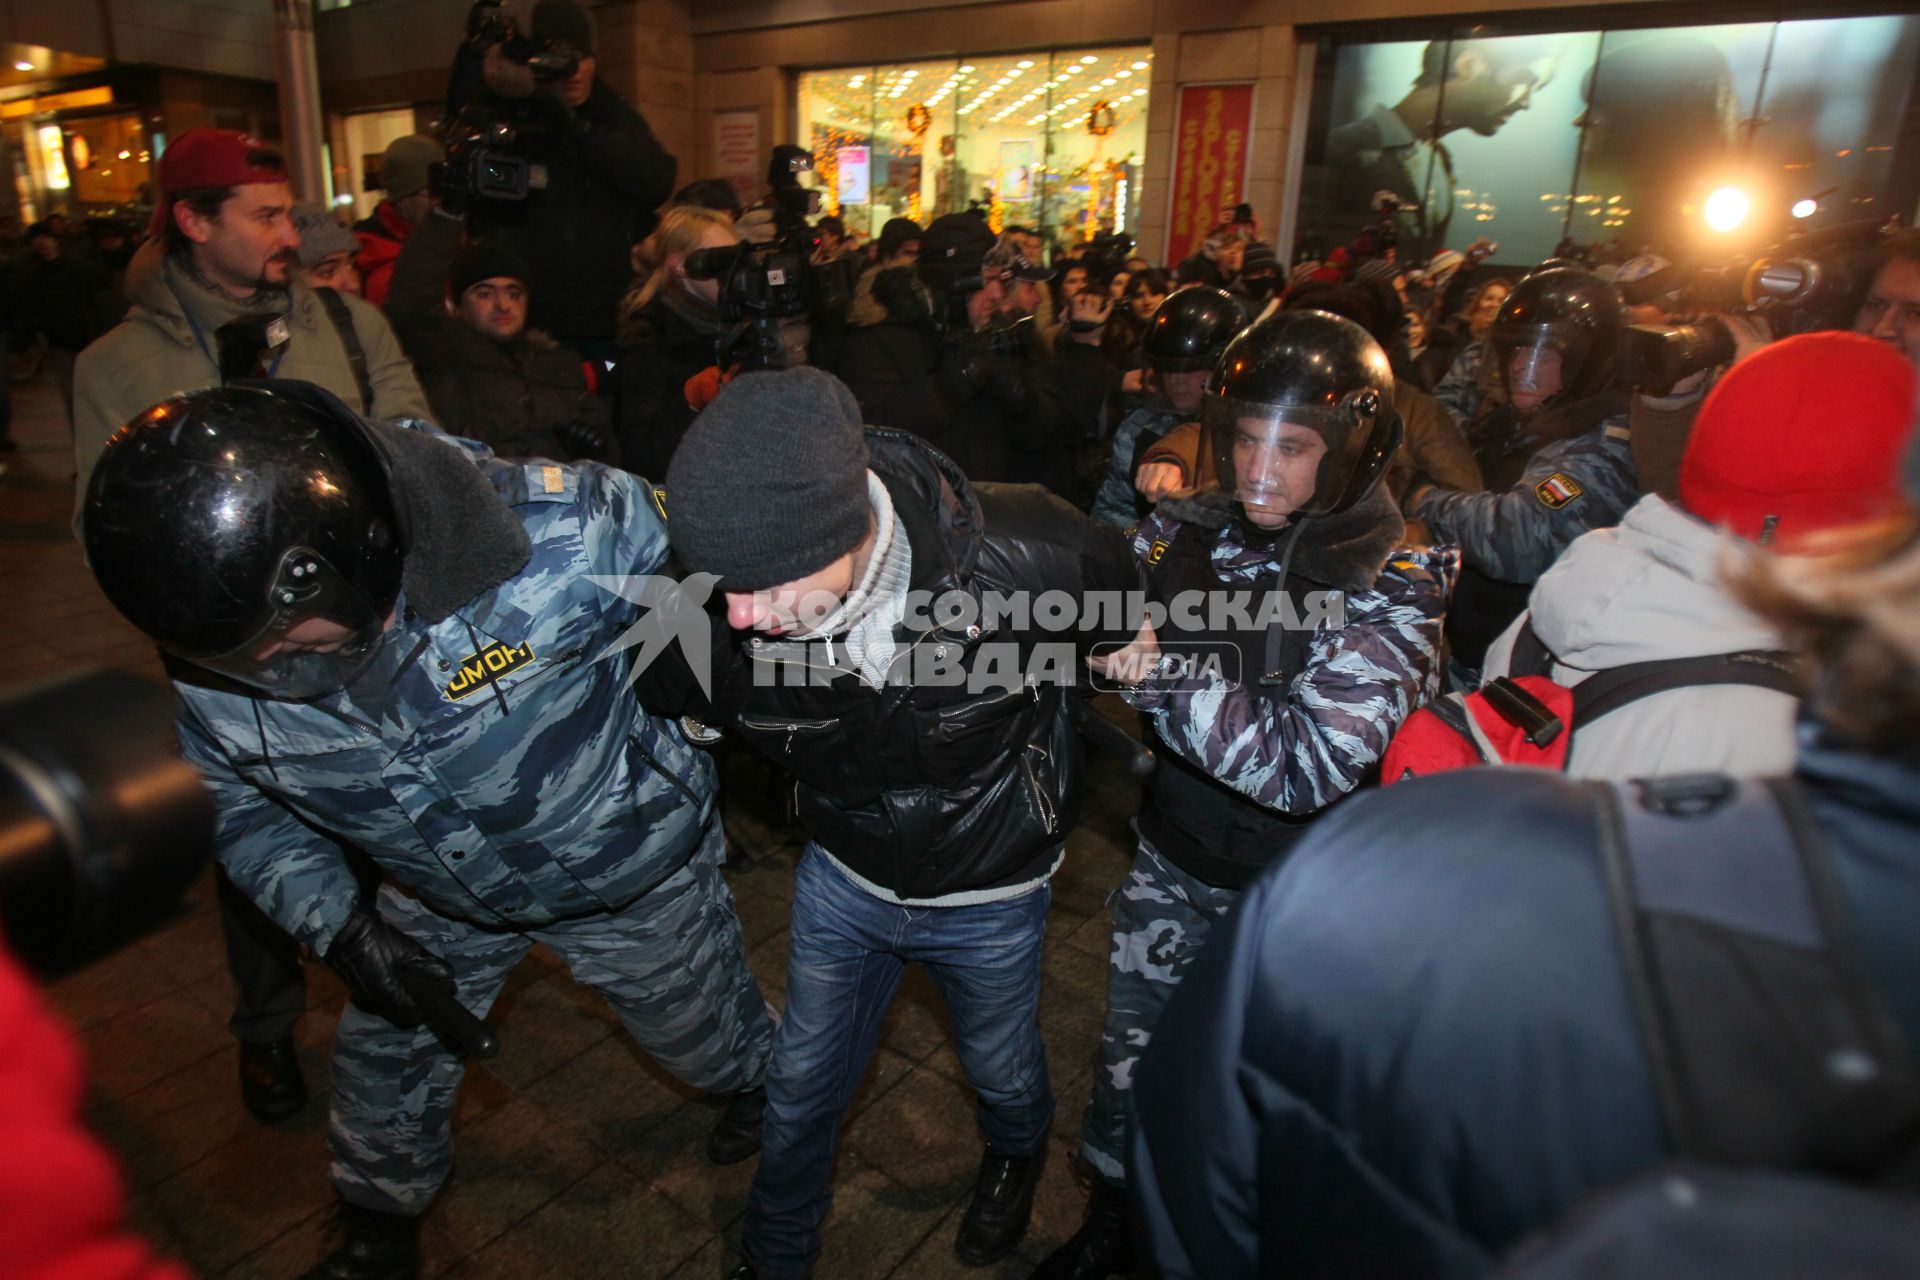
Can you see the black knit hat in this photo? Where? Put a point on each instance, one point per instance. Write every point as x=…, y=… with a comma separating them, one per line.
x=484, y=261
x=770, y=483
x=565, y=22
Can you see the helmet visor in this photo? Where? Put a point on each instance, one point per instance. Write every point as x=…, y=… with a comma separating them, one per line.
x=1281, y=462
x=1540, y=361
x=320, y=633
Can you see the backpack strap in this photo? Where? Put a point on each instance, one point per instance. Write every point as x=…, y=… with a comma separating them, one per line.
x=342, y=317
x=1767, y=1042
x=1530, y=656
x=1607, y=691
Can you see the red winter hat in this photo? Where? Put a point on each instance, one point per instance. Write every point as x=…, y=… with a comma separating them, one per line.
x=1806, y=433
x=212, y=158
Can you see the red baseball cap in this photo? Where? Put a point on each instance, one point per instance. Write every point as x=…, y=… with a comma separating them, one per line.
x=213, y=158
x=1802, y=436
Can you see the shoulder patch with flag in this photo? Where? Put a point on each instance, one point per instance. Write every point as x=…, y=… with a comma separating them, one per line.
x=1557, y=490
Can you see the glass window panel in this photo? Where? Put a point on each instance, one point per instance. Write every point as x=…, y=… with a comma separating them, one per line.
x=1089, y=174
x=836, y=116
x=1008, y=133
x=907, y=159
x=1838, y=149
x=1617, y=135
x=1664, y=128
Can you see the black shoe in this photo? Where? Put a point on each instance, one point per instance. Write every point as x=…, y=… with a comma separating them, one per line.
x=270, y=1080
x=744, y=1271
x=1103, y=1246
x=1002, y=1204
x=737, y=1135
x=373, y=1246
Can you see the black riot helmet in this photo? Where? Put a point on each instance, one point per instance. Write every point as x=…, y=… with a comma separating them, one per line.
x=251, y=530
x=1191, y=329
x=1556, y=336
x=1300, y=416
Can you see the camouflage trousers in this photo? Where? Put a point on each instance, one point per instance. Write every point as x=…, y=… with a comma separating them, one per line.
x=1161, y=918
x=673, y=965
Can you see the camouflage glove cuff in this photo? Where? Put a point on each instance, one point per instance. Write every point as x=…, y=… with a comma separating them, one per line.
x=370, y=955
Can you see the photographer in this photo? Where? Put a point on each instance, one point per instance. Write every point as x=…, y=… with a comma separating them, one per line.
x=1692, y=324
x=945, y=366
x=488, y=375
x=605, y=173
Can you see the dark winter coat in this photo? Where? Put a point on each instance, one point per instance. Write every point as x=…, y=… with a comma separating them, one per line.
x=1009, y=425
x=1415, y=1045
x=524, y=398
x=661, y=347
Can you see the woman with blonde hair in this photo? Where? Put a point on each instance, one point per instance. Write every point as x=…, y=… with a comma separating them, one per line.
x=670, y=326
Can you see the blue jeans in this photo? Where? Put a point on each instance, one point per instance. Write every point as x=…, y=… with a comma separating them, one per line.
x=844, y=961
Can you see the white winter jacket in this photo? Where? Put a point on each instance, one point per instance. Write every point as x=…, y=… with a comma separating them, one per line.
x=1647, y=590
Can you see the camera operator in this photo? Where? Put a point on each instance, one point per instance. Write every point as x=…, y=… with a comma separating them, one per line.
x=670, y=332
x=945, y=366
x=605, y=175
x=487, y=374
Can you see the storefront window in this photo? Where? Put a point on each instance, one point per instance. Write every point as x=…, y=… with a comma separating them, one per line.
x=1049, y=140
x=1606, y=136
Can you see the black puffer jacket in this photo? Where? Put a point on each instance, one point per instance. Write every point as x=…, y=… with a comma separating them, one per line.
x=926, y=788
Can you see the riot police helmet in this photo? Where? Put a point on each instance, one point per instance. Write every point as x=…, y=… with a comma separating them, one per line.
x=1556, y=336
x=252, y=530
x=1300, y=418
x=1190, y=330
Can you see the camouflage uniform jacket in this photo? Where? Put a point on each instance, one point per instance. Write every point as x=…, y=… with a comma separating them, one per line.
x=1298, y=748
x=1459, y=392
x=1569, y=487
x=1117, y=503
x=509, y=777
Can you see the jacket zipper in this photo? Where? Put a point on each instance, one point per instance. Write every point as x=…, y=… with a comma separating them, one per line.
x=668, y=774
x=1040, y=798
x=789, y=727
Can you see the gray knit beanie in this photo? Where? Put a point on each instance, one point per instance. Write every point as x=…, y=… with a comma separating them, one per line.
x=770, y=483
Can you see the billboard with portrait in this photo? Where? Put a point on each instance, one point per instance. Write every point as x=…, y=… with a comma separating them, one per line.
x=1527, y=139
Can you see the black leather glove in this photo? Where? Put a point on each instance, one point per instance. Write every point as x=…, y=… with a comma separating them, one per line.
x=370, y=956
x=586, y=441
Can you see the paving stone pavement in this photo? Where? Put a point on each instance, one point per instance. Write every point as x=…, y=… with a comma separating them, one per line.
x=577, y=1157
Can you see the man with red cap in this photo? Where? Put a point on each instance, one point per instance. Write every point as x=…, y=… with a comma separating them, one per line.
x=216, y=296
x=1798, y=439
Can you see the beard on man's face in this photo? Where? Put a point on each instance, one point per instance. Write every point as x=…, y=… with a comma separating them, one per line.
x=276, y=273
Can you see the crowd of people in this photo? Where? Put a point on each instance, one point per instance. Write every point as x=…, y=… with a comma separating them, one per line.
x=1331, y=527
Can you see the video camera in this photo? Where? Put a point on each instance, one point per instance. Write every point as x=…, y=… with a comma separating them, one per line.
x=482, y=161
x=1807, y=283
x=768, y=291
x=492, y=111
